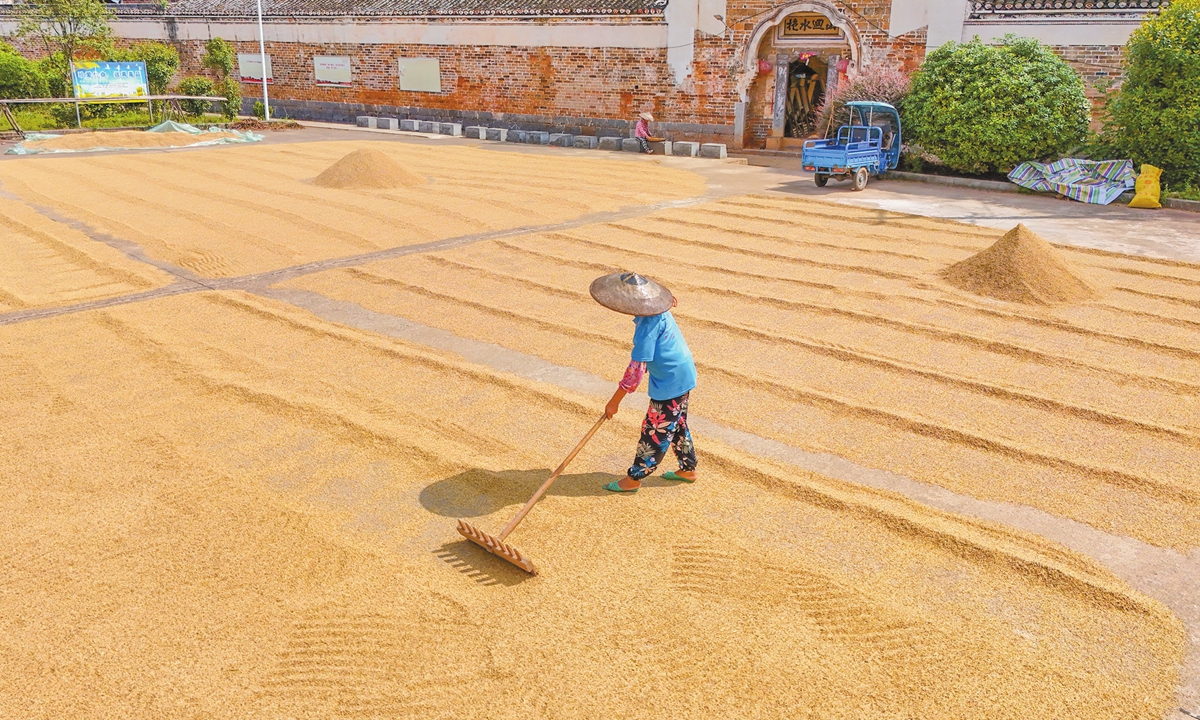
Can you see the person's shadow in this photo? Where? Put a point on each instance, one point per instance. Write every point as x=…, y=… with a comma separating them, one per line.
x=476, y=492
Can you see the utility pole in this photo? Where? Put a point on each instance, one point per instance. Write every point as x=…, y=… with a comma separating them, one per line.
x=262, y=57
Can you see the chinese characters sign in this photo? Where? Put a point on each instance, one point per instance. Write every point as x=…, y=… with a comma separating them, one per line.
x=809, y=24
x=332, y=71
x=109, y=79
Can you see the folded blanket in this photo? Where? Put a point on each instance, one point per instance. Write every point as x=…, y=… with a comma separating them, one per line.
x=1089, y=181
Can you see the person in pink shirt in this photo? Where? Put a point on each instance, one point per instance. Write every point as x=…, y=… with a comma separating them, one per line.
x=642, y=132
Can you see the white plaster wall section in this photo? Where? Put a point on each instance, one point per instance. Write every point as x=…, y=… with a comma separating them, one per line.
x=708, y=10
x=682, y=20
x=1094, y=32
x=767, y=25
x=640, y=35
x=943, y=18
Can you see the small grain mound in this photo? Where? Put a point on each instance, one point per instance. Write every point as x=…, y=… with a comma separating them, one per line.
x=1020, y=267
x=131, y=139
x=367, y=168
x=256, y=124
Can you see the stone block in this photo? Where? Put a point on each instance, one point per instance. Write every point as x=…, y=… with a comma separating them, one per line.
x=365, y=121
x=387, y=123
x=585, y=141
x=685, y=149
x=610, y=143
x=427, y=126
x=454, y=129
x=478, y=132
x=498, y=134
x=630, y=145
x=516, y=136
x=537, y=138
x=661, y=148
x=409, y=125
x=713, y=150
x=561, y=139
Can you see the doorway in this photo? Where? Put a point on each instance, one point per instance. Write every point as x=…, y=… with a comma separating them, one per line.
x=806, y=92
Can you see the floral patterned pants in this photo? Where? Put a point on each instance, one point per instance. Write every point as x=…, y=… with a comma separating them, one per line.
x=665, y=426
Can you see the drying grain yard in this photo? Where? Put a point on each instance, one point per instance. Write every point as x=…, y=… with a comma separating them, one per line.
x=249, y=390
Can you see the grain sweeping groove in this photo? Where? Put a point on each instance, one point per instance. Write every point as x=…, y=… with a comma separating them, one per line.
x=935, y=375
x=929, y=428
x=289, y=217
x=1190, y=303
x=744, y=231
x=871, y=295
x=71, y=254
x=889, y=417
x=849, y=267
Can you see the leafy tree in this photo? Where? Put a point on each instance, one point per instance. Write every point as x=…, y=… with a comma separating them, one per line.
x=19, y=77
x=64, y=28
x=877, y=83
x=221, y=57
x=162, y=62
x=982, y=108
x=195, y=86
x=1156, y=117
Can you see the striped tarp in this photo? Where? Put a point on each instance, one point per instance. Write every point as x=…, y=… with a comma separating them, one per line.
x=1089, y=181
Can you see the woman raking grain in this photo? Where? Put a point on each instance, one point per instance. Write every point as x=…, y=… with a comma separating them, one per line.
x=660, y=351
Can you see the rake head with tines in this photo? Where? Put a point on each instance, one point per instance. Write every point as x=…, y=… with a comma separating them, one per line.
x=495, y=545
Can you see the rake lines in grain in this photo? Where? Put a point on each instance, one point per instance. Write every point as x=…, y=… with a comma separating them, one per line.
x=837, y=295
x=984, y=344
x=739, y=374
x=838, y=613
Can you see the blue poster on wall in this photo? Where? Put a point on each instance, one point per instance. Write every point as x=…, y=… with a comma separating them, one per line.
x=97, y=79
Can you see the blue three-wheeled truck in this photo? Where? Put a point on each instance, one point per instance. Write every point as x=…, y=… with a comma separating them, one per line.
x=869, y=144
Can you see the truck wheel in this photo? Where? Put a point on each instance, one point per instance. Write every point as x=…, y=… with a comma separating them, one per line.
x=860, y=178
x=820, y=179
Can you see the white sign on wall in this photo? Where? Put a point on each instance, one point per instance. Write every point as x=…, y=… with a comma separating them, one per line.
x=250, y=68
x=332, y=70
x=420, y=74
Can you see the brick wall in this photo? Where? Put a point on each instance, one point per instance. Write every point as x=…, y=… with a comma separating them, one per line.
x=595, y=91
x=1102, y=68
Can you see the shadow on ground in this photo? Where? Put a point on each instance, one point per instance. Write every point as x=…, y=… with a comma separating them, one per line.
x=480, y=565
x=476, y=492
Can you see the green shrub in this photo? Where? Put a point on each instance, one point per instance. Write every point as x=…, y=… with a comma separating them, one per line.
x=220, y=56
x=232, y=92
x=195, y=86
x=981, y=108
x=1156, y=117
x=260, y=110
x=19, y=77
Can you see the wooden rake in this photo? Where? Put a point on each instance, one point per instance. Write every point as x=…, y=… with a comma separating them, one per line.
x=495, y=545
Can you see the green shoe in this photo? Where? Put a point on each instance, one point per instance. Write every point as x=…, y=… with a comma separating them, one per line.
x=672, y=476
x=615, y=486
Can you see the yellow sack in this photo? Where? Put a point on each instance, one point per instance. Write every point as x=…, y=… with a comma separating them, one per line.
x=1146, y=190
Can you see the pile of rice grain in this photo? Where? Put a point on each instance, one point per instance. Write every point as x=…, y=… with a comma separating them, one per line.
x=1020, y=267
x=368, y=168
x=131, y=139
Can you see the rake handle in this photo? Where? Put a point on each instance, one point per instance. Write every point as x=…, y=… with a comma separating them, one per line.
x=550, y=481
